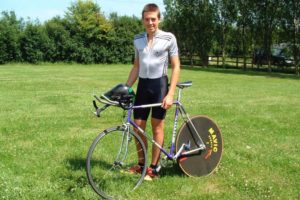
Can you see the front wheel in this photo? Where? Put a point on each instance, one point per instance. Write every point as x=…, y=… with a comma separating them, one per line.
x=201, y=162
x=109, y=159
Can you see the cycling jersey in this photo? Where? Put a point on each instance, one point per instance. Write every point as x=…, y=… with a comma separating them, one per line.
x=153, y=61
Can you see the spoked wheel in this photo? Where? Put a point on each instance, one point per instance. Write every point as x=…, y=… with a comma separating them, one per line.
x=201, y=162
x=109, y=158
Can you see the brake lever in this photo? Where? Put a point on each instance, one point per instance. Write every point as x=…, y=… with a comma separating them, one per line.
x=97, y=113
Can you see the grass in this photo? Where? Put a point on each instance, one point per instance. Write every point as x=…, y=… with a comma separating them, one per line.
x=46, y=128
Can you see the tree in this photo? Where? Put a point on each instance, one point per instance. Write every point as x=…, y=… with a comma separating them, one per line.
x=244, y=25
x=10, y=30
x=89, y=29
x=225, y=13
x=34, y=43
x=192, y=23
x=267, y=15
x=290, y=24
x=121, y=37
x=59, y=40
x=177, y=23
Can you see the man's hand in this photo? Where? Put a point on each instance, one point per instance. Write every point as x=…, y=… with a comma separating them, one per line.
x=167, y=102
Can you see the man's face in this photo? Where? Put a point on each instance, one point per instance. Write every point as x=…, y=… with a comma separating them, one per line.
x=151, y=21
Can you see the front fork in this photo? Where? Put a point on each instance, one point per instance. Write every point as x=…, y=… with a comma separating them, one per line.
x=126, y=137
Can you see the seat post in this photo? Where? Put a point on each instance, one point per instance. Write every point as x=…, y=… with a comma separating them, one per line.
x=179, y=94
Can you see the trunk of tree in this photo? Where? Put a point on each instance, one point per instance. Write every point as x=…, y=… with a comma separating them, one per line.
x=204, y=59
x=223, y=44
x=296, y=50
x=296, y=53
x=190, y=57
x=244, y=46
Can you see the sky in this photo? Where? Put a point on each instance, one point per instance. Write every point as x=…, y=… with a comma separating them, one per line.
x=46, y=9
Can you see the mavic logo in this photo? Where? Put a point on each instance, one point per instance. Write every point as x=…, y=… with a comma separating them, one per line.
x=213, y=140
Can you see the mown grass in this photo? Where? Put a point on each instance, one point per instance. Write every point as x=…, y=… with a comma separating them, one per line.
x=46, y=128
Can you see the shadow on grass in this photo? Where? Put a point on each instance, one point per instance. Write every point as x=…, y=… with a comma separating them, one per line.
x=75, y=178
x=75, y=164
x=80, y=164
x=249, y=72
x=171, y=171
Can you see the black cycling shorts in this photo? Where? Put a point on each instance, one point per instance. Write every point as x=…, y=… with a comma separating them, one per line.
x=150, y=91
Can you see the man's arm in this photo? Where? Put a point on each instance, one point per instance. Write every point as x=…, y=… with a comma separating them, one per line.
x=133, y=73
x=168, y=100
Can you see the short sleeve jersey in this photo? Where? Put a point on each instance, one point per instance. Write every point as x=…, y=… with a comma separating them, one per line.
x=153, y=62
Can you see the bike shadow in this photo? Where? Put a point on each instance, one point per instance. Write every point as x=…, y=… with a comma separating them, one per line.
x=171, y=171
x=76, y=164
x=79, y=164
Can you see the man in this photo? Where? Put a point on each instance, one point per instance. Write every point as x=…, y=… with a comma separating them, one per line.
x=153, y=49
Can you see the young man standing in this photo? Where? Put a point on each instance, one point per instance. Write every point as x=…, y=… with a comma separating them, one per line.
x=153, y=49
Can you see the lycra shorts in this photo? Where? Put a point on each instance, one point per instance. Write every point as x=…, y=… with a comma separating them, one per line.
x=150, y=91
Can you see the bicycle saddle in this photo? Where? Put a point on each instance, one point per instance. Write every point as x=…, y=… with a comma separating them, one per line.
x=184, y=84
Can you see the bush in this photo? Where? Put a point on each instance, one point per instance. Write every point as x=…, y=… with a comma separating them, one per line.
x=34, y=43
x=10, y=29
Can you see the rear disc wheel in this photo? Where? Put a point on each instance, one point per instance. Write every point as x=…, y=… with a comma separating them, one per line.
x=202, y=162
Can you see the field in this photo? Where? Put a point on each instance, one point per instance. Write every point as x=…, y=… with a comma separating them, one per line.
x=46, y=128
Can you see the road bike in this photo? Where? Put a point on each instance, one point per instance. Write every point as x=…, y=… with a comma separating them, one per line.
x=197, y=147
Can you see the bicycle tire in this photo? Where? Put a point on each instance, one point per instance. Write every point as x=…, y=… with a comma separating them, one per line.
x=107, y=166
x=203, y=162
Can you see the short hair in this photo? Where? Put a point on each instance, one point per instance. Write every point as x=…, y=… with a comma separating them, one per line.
x=151, y=7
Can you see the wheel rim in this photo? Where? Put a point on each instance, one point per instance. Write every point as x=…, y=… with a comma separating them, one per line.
x=108, y=174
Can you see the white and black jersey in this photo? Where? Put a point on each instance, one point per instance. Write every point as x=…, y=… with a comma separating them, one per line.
x=153, y=61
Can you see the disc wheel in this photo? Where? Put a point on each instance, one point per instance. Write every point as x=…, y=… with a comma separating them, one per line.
x=109, y=159
x=201, y=162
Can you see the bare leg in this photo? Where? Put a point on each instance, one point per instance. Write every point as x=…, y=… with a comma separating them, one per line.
x=158, y=136
x=142, y=125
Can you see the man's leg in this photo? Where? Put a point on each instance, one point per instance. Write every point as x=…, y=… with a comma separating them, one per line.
x=158, y=136
x=142, y=125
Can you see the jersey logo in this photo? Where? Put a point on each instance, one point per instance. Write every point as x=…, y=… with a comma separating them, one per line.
x=158, y=53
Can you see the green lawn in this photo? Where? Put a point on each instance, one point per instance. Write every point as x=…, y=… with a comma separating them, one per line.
x=46, y=128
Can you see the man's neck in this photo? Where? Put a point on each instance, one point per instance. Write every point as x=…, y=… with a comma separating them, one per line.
x=152, y=34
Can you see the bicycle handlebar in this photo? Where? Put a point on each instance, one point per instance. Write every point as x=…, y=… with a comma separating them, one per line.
x=123, y=104
x=99, y=110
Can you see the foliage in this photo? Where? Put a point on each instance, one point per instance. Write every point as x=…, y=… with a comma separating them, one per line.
x=84, y=35
x=124, y=29
x=10, y=30
x=290, y=28
x=185, y=18
x=240, y=27
x=89, y=29
x=59, y=40
x=225, y=14
x=202, y=27
x=34, y=43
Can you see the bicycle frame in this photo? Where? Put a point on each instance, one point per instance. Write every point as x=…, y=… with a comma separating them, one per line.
x=179, y=109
